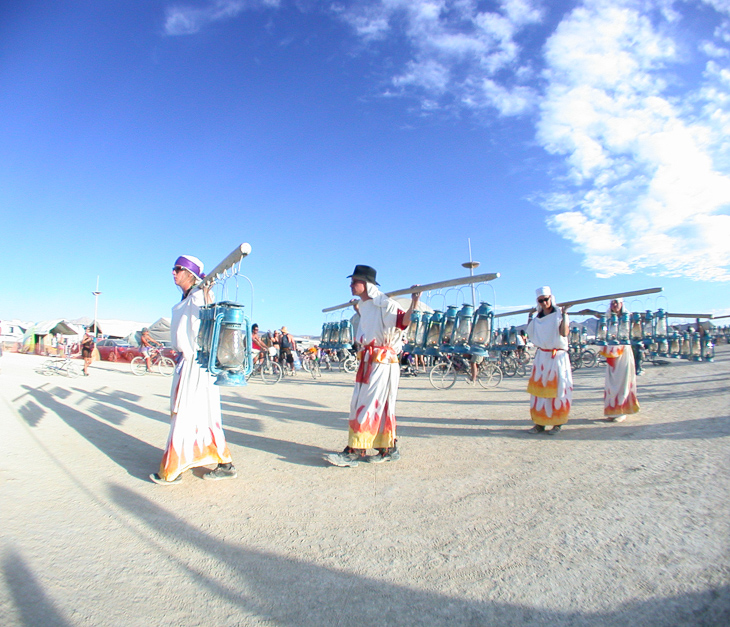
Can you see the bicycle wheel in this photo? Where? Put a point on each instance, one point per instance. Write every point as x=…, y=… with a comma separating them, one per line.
x=271, y=373
x=509, y=367
x=489, y=375
x=166, y=366
x=575, y=361
x=307, y=364
x=350, y=364
x=48, y=368
x=73, y=370
x=442, y=376
x=314, y=370
x=521, y=370
x=588, y=358
x=138, y=366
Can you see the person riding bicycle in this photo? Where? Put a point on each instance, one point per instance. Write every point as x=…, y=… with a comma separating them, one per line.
x=258, y=345
x=145, y=344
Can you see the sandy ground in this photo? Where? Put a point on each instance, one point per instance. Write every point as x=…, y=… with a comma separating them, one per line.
x=479, y=523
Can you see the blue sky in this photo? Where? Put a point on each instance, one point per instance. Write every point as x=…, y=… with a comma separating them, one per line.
x=577, y=144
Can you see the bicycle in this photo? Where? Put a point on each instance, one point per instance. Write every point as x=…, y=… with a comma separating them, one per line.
x=62, y=366
x=165, y=365
x=582, y=358
x=266, y=368
x=349, y=363
x=513, y=364
x=444, y=374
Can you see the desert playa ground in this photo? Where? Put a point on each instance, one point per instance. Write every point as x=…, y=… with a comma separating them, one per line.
x=479, y=523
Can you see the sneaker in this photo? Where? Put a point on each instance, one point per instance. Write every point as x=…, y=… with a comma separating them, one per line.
x=392, y=455
x=620, y=418
x=344, y=459
x=554, y=430
x=160, y=481
x=223, y=471
x=536, y=429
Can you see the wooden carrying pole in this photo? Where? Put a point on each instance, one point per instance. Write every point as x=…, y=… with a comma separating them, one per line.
x=595, y=299
x=477, y=278
x=231, y=260
x=673, y=315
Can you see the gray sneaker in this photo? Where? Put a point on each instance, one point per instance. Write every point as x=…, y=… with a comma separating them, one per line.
x=392, y=456
x=536, y=429
x=221, y=472
x=554, y=430
x=344, y=459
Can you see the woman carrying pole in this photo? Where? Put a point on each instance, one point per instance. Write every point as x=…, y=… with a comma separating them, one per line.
x=196, y=432
x=619, y=397
x=551, y=382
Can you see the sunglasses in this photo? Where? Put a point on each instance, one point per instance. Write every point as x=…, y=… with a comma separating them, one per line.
x=543, y=300
x=178, y=269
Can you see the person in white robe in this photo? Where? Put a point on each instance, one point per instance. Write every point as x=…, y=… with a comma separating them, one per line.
x=196, y=433
x=379, y=334
x=551, y=381
x=619, y=397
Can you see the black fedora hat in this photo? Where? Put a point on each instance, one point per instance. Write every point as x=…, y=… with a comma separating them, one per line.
x=365, y=273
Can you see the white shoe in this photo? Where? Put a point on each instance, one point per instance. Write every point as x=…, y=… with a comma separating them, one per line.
x=620, y=418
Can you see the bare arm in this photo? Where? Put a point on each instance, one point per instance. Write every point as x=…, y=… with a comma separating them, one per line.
x=415, y=297
x=565, y=322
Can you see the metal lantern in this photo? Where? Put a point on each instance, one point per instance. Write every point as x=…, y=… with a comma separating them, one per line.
x=660, y=324
x=623, y=328
x=686, y=345
x=612, y=332
x=481, y=332
x=345, y=334
x=696, y=346
x=636, y=330
x=421, y=334
x=463, y=328
x=449, y=323
x=601, y=330
x=583, y=336
x=575, y=336
x=512, y=336
x=648, y=325
x=432, y=340
x=412, y=331
x=226, y=345
x=674, y=344
x=708, y=348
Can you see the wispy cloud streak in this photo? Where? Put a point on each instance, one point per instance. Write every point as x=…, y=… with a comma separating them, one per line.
x=187, y=20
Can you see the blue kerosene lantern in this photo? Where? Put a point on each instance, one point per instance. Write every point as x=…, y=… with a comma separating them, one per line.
x=447, y=336
x=481, y=332
x=432, y=341
x=601, y=331
x=225, y=343
x=624, y=328
x=462, y=331
x=412, y=332
x=422, y=335
x=345, y=334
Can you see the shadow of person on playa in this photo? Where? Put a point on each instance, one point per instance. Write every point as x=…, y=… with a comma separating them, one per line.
x=271, y=588
x=108, y=399
x=134, y=455
x=285, y=450
x=34, y=606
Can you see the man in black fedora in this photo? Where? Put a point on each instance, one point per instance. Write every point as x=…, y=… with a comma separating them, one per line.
x=372, y=408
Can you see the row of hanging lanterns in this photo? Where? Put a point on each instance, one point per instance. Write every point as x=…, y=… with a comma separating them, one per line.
x=224, y=343
x=651, y=331
x=462, y=331
x=337, y=335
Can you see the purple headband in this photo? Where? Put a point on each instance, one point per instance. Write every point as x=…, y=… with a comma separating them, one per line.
x=190, y=265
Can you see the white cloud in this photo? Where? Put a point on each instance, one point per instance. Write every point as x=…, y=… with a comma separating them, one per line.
x=186, y=20
x=648, y=184
x=456, y=51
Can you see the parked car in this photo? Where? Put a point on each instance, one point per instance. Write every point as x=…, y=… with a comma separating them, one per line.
x=116, y=350
x=119, y=350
